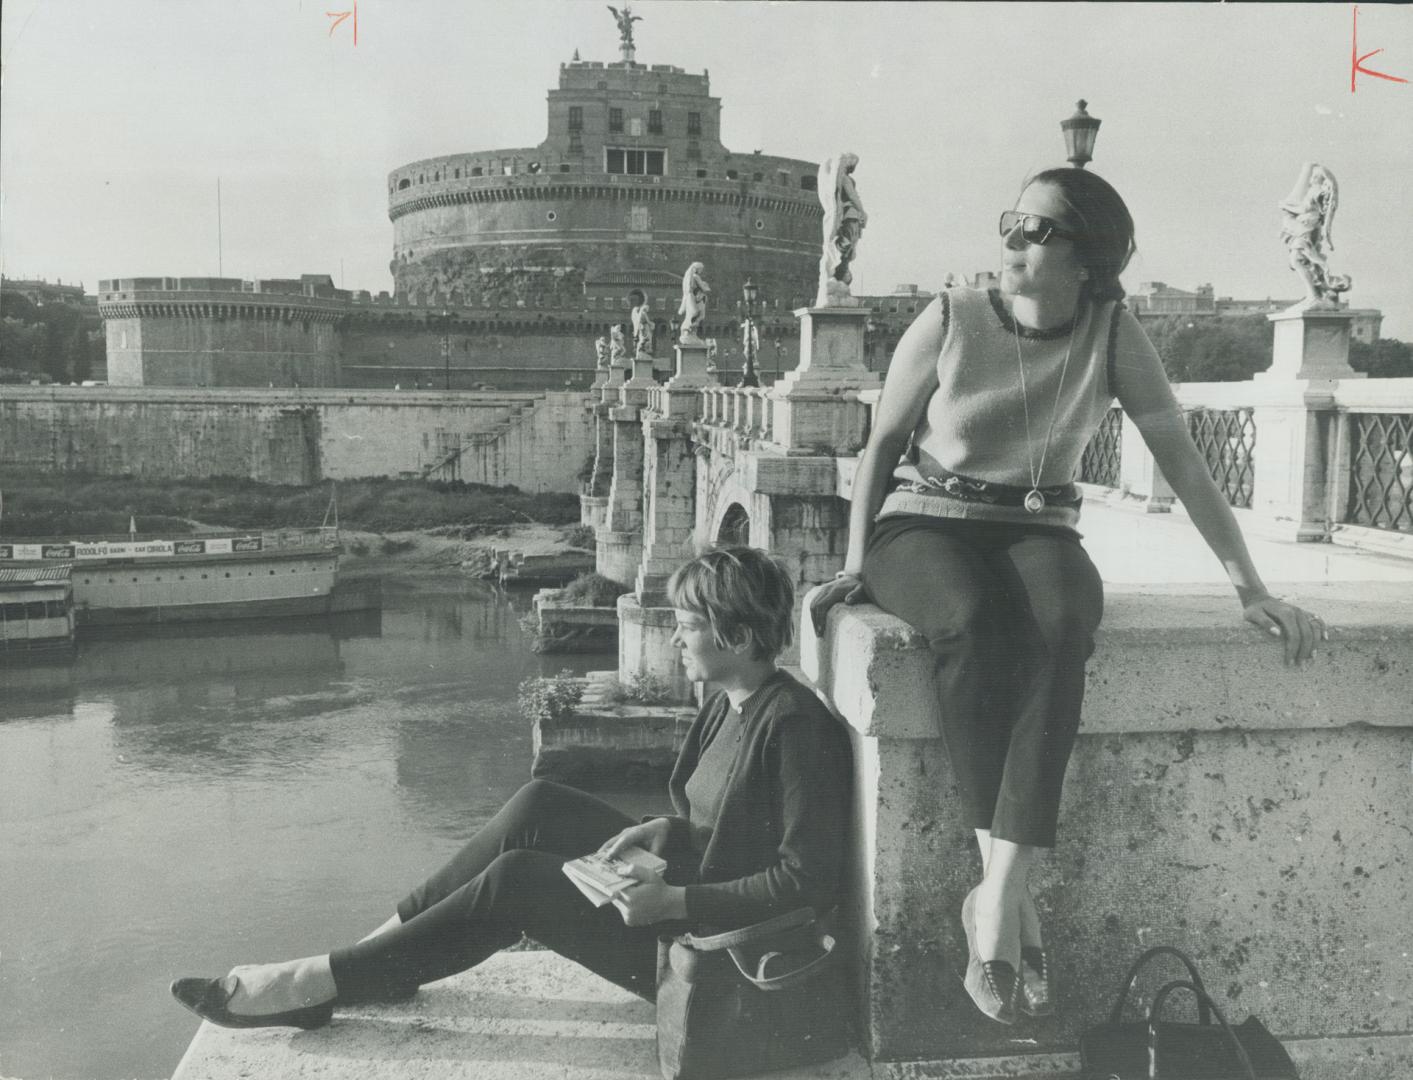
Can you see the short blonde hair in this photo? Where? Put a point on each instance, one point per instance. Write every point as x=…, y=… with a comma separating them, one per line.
x=739, y=589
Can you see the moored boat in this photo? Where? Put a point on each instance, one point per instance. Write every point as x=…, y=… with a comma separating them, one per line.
x=135, y=579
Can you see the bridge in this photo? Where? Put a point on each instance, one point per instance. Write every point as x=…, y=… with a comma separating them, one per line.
x=1255, y=816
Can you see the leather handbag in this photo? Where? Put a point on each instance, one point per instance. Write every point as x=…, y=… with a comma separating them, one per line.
x=1158, y=1049
x=765, y=997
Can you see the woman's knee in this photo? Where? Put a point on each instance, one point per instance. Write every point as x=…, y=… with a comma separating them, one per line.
x=537, y=795
x=962, y=629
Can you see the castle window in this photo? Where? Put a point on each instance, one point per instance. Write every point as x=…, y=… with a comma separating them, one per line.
x=694, y=123
x=576, y=143
x=655, y=121
x=633, y=162
x=576, y=118
x=809, y=183
x=615, y=120
x=477, y=171
x=757, y=177
x=564, y=166
x=458, y=174
x=732, y=174
x=701, y=174
x=551, y=216
x=635, y=125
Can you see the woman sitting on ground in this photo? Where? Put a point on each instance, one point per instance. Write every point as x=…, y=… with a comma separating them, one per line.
x=995, y=394
x=760, y=791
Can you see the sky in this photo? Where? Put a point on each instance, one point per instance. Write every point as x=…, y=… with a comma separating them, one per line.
x=118, y=117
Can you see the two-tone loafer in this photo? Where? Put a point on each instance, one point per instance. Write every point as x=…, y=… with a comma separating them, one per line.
x=210, y=1000
x=1036, y=998
x=992, y=985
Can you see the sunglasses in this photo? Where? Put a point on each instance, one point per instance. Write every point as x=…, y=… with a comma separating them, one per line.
x=1035, y=228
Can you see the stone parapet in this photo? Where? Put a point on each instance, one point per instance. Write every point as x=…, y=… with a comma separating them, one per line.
x=1252, y=815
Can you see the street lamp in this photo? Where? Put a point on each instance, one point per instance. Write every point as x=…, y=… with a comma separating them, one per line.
x=1080, y=131
x=445, y=326
x=750, y=338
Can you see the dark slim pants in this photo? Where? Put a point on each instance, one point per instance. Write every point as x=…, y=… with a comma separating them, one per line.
x=506, y=881
x=1010, y=613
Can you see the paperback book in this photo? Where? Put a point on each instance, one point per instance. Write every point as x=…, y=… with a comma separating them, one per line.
x=601, y=879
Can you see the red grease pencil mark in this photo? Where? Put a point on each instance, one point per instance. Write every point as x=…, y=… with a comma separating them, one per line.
x=339, y=16
x=1356, y=66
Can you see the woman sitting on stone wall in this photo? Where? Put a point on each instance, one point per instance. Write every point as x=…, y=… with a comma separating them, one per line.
x=760, y=791
x=994, y=396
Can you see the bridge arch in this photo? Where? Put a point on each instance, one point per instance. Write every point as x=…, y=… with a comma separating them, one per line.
x=735, y=525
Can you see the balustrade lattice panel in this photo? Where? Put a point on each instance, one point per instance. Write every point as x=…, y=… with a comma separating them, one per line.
x=1103, y=456
x=1381, y=471
x=1226, y=439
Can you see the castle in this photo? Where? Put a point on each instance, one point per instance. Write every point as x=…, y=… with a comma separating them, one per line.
x=507, y=263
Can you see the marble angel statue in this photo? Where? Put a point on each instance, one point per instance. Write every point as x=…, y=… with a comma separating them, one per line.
x=1307, y=220
x=844, y=221
x=693, y=307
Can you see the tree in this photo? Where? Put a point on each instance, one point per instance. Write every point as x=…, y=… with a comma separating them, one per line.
x=1387, y=358
x=1211, y=349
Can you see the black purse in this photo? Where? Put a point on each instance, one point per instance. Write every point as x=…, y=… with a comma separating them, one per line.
x=1157, y=1049
x=765, y=997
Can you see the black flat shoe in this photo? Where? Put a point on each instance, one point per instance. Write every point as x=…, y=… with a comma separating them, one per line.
x=1036, y=999
x=208, y=998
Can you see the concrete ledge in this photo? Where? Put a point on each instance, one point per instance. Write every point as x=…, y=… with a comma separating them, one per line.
x=518, y=1016
x=1166, y=659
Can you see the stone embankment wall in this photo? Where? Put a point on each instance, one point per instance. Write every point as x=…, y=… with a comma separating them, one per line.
x=538, y=442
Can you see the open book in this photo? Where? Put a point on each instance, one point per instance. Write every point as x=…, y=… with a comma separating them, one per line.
x=601, y=879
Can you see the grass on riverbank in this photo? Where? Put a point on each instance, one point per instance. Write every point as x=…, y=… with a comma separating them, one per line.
x=69, y=505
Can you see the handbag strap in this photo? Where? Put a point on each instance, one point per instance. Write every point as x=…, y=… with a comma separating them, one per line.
x=1203, y=1010
x=1202, y=999
x=759, y=980
x=749, y=935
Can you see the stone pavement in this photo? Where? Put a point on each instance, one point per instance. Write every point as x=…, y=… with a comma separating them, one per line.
x=518, y=1016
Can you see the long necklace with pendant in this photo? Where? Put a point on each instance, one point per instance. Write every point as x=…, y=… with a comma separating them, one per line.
x=1034, y=500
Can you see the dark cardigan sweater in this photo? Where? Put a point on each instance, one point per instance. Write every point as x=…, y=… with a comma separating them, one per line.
x=782, y=830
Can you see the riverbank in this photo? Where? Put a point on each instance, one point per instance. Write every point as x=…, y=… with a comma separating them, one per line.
x=413, y=555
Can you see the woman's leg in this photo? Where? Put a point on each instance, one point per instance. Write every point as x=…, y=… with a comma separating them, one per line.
x=932, y=574
x=557, y=821
x=522, y=891
x=541, y=816
x=1057, y=603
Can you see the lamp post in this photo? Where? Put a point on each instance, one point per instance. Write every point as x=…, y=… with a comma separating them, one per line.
x=750, y=339
x=1080, y=131
x=446, y=349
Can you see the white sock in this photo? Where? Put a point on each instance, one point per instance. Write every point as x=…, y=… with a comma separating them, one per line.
x=262, y=989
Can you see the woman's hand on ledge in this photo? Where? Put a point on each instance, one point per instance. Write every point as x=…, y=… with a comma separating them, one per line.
x=652, y=900
x=846, y=588
x=1302, y=631
x=651, y=835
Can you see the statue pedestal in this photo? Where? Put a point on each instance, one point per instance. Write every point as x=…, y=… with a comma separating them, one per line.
x=816, y=405
x=643, y=368
x=1310, y=343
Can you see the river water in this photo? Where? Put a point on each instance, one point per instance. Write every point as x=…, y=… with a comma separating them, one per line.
x=174, y=805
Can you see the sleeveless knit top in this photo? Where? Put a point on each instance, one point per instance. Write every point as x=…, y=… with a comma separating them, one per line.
x=975, y=423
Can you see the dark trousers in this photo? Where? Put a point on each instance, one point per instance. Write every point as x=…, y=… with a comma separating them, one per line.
x=506, y=881
x=1010, y=613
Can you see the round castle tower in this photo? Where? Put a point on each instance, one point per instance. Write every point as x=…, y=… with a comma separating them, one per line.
x=630, y=186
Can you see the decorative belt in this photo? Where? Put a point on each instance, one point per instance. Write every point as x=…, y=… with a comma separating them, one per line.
x=954, y=486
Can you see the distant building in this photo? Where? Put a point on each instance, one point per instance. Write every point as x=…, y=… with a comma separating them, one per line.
x=1156, y=299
